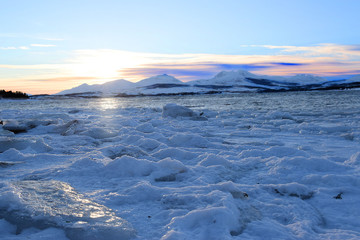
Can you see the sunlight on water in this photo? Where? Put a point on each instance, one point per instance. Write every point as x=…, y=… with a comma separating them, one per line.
x=109, y=103
x=288, y=101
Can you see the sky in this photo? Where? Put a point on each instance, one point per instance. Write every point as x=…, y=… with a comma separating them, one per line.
x=48, y=46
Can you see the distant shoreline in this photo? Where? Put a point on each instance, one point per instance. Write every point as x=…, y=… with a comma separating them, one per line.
x=13, y=95
x=92, y=95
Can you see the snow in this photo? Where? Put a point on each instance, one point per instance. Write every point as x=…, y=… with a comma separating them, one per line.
x=256, y=166
x=354, y=79
x=158, y=80
x=174, y=110
x=122, y=86
x=227, y=78
x=225, y=81
x=305, y=78
x=79, y=89
x=106, y=88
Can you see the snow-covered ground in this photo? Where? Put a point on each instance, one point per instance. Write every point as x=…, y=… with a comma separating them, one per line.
x=256, y=166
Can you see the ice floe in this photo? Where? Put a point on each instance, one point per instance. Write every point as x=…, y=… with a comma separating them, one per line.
x=190, y=170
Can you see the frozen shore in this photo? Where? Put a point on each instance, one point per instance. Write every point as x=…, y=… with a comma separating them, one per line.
x=176, y=173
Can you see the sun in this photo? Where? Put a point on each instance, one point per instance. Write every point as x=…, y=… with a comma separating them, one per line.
x=104, y=65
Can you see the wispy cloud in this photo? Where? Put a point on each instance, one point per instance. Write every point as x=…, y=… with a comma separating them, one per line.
x=14, y=48
x=183, y=74
x=341, y=52
x=52, y=39
x=101, y=65
x=42, y=45
x=203, y=70
x=34, y=66
x=31, y=36
x=8, y=48
x=62, y=79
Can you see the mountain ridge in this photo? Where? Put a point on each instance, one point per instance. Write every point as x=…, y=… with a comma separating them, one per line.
x=224, y=81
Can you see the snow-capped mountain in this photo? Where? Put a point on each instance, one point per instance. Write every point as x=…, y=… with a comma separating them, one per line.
x=160, y=79
x=247, y=79
x=225, y=81
x=124, y=86
x=227, y=78
x=79, y=89
x=106, y=88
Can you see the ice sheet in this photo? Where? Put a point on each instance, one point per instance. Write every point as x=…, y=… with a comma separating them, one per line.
x=251, y=172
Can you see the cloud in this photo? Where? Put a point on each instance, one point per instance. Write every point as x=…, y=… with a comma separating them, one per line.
x=62, y=79
x=182, y=74
x=14, y=48
x=30, y=36
x=102, y=65
x=34, y=66
x=52, y=39
x=199, y=70
x=229, y=67
x=355, y=47
x=289, y=64
x=340, y=52
x=42, y=45
x=290, y=60
x=8, y=48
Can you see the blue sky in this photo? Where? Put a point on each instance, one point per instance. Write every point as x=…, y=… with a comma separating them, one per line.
x=47, y=46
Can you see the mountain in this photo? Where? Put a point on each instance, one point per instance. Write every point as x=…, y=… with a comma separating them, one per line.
x=124, y=86
x=160, y=79
x=116, y=86
x=226, y=78
x=246, y=79
x=112, y=87
x=225, y=81
x=79, y=89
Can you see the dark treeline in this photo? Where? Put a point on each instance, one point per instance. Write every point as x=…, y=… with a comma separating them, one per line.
x=11, y=94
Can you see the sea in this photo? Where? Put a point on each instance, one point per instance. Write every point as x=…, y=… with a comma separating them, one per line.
x=342, y=100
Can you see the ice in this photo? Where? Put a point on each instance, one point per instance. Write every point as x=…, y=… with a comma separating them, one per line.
x=36, y=234
x=6, y=227
x=257, y=166
x=148, y=144
x=167, y=170
x=174, y=110
x=145, y=128
x=45, y=204
x=120, y=150
x=70, y=128
x=212, y=222
x=212, y=160
x=37, y=144
x=175, y=153
x=189, y=140
x=127, y=166
x=100, y=133
x=354, y=159
x=15, y=127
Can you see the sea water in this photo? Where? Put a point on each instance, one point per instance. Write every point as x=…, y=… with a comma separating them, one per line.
x=289, y=101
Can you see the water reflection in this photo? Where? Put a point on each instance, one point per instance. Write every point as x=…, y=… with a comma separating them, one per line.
x=288, y=101
x=109, y=103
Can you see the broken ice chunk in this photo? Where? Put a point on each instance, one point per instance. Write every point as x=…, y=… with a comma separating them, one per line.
x=44, y=204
